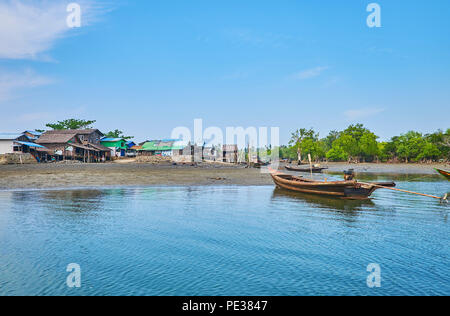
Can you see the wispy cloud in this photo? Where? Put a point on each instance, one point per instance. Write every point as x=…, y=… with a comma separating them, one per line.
x=310, y=73
x=10, y=82
x=362, y=113
x=29, y=28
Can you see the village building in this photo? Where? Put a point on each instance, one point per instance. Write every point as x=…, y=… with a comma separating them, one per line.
x=83, y=145
x=197, y=153
x=11, y=143
x=118, y=146
x=131, y=151
x=230, y=153
x=164, y=148
x=32, y=135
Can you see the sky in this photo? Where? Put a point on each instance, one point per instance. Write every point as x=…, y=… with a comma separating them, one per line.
x=146, y=67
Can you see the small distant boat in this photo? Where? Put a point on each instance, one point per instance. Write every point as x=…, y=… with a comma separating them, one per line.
x=349, y=189
x=314, y=169
x=444, y=173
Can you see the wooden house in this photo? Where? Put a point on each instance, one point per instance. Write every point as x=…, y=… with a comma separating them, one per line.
x=83, y=145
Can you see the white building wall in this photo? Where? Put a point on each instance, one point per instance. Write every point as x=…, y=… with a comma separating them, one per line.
x=6, y=147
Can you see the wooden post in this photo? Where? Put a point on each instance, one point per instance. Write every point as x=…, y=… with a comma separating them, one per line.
x=310, y=165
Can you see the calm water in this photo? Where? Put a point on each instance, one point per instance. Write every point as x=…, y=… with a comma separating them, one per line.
x=223, y=241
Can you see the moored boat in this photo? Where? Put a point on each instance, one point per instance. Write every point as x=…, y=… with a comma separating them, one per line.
x=444, y=173
x=348, y=189
x=314, y=169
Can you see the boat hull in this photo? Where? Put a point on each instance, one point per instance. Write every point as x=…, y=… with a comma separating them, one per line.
x=444, y=173
x=314, y=170
x=351, y=190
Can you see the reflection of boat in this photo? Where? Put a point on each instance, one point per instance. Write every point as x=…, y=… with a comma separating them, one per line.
x=324, y=201
x=348, y=189
x=314, y=169
x=444, y=173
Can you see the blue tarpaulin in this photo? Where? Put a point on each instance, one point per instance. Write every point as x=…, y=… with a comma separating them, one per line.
x=30, y=144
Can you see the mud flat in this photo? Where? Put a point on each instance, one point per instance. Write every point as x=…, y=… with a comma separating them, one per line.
x=129, y=174
x=42, y=176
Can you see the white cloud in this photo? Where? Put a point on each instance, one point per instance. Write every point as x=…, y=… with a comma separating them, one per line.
x=362, y=113
x=29, y=28
x=310, y=73
x=10, y=82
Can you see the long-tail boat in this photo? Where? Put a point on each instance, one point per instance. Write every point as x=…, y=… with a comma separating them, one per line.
x=314, y=169
x=349, y=189
x=444, y=173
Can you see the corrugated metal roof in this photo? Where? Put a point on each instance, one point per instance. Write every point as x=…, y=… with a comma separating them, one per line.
x=100, y=147
x=161, y=146
x=30, y=144
x=34, y=133
x=111, y=139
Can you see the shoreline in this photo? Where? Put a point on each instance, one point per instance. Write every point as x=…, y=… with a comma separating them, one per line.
x=110, y=175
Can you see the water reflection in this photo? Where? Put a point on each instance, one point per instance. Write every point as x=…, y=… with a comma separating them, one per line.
x=221, y=241
x=77, y=201
x=348, y=207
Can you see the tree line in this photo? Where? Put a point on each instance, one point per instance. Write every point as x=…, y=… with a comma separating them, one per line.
x=354, y=144
x=359, y=144
x=83, y=124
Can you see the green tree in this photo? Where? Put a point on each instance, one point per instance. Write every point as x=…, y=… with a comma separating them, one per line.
x=429, y=151
x=383, y=152
x=337, y=153
x=314, y=147
x=118, y=134
x=70, y=124
x=348, y=144
x=297, y=138
x=369, y=146
x=330, y=139
x=410, y=146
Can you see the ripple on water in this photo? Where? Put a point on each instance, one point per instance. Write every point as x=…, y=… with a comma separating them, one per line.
x=222, y=241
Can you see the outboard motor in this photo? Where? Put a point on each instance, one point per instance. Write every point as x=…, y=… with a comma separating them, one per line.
x=349, y=175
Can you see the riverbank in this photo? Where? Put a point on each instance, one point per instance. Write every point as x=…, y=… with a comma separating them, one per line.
x=43, y=176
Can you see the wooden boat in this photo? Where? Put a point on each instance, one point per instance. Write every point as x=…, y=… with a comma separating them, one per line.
x=314, y=169
x=351, y=189
x=444, y=173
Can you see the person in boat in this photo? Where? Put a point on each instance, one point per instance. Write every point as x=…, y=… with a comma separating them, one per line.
x=349, y=175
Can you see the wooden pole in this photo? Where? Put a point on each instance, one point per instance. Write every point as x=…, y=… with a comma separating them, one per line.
x=405, y=191
x=310, y=165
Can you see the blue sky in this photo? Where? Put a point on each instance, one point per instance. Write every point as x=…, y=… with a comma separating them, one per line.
x=146, y=67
